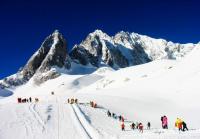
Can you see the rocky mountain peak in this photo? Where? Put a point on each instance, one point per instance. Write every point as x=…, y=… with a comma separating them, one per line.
x=119, y=51
x=52, y=53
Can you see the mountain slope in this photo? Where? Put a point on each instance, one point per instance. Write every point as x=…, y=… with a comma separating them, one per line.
x=52, y=53
x=98, y=49
x=125, y=49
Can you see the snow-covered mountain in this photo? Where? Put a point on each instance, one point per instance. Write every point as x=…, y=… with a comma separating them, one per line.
x=52, y=53
x=126, y=49
x=141, y=93
x=98, y=49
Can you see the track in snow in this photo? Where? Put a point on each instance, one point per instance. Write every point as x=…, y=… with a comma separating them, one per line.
x=82, y=123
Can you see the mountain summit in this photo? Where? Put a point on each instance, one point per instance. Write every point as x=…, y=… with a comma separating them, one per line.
x=119, y=51
x=125, y=49
x=52, y=53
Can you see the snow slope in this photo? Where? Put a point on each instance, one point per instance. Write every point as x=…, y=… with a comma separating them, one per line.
x=141, y=93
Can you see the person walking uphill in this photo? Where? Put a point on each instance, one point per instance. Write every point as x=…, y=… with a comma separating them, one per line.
x=184, y=126
x=149, y=125
x=165, y=122
x=178, y=124
x=123, y=126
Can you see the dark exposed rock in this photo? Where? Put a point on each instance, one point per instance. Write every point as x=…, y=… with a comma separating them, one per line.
x=52, y=53
x=57, y=53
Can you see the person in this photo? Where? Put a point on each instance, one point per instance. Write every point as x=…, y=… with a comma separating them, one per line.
x=19, y=100
x=30, y=99
x=178, y=124
x=123, y=126
x=36, y=100
x=95, y=105
x=133, y=126
x=114, y=115
x=52, y=93
x=184, y=126
x=76, y=100
x=137, y=125
x=109, y=113
x=122, y=119
x=148, y=125
x=68, y=100
x=91, y=103
x=165, y=122
x=162, y=122
x=140, y=127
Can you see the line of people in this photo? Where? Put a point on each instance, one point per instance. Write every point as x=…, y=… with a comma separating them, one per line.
x=180, y=124
x=26, y=100
x=133, y=126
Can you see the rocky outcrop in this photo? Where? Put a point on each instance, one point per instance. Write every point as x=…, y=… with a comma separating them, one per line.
x=57, y=57
x=52, y=53
x=99, y=47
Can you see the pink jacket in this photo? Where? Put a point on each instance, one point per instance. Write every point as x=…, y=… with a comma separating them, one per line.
x=165, y=121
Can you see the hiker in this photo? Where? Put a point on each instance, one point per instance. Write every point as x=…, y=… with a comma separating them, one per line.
x=162, y=122
x=178, y=124
x=123, y=126
x=91, y=103
x=113, y=115
x=72, y=101
x=108, y=113
x=36, y=100
x=120, y=118
x=148, y=125
x=30, y=99
x=68, y=100
x=95, y=105
x=133, y=126
x=165, y=122
x=24, y=100
x=137, y=125
x=76, y=100
x=52, y=93
x=184, y=126
x=19, y=100
x=140, y=127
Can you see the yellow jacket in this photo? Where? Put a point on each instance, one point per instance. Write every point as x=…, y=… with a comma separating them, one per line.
x=178, y=123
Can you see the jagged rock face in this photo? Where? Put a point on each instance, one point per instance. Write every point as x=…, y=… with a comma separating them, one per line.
x=57, y=54
x=125, y=49
x=36, y=60
x=56, y=57
x=95, y=50
x=52, y=53
x=120, y=51
x=99, y=47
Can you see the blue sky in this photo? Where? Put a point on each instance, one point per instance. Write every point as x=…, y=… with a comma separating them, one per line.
x=24, y=24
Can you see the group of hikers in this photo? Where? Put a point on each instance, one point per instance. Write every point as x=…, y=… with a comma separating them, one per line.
x=181, y=125
x=93, y=104
x=133, y=126
x=26, y=100
x=72, y=100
